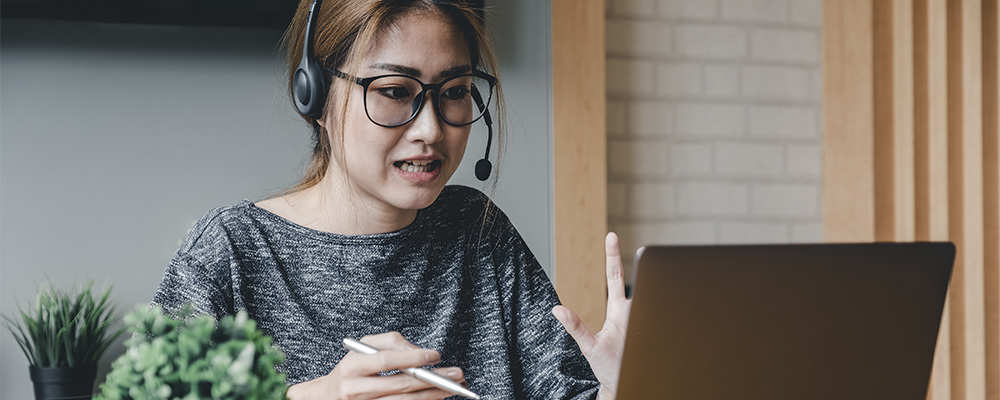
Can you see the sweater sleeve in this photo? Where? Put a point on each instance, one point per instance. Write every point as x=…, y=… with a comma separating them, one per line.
x=551, y=364
x=199, y=273
x=186, y=282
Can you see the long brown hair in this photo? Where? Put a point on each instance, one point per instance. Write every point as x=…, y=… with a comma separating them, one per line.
x=345, y=29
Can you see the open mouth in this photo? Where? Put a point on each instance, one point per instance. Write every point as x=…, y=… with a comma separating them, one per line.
x=418, y=165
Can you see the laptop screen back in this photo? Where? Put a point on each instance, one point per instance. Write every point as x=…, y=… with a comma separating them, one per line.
x=829, y=321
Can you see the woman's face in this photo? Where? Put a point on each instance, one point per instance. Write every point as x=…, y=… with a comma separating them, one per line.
x=402, y=168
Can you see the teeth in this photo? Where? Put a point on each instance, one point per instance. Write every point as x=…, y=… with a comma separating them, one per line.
x=416, y=166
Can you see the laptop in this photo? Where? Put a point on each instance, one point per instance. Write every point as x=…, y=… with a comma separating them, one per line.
x=822, y=321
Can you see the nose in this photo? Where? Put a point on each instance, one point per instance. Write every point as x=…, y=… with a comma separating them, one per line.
x=426, y=127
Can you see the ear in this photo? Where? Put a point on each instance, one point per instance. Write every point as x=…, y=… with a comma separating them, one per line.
x=325, y=120
x=331, y=110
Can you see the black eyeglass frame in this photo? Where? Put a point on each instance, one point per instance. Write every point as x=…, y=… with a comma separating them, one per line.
x=424, y=88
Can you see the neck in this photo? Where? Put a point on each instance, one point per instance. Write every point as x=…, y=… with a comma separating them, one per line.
x=333, y=206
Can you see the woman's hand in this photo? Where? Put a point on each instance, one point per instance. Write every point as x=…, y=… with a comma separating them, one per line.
x=356, y=376
x=604, y=349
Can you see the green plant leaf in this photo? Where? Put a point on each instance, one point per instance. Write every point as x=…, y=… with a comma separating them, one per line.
x=196, y=358
x=65, y=328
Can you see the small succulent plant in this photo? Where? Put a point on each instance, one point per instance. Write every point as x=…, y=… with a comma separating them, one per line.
x=194, y=358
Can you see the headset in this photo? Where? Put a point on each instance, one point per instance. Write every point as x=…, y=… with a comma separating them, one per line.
x=309, y=88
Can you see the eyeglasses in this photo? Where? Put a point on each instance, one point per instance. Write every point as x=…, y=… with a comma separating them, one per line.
x=394, y=100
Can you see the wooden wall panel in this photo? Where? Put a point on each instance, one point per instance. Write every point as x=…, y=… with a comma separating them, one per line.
x=931, y=119
x=966, y=198
x=991, y=187
x=894, y=119
x=580, y=156
x=931, y=158
x=910, y=153
x=848, y=122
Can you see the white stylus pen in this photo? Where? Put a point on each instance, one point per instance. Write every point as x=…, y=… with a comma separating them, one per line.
x=445, y=384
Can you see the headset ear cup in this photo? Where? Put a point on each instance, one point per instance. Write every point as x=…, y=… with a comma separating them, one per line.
x=309, y=90
x=317, y=85
x=301, y=91
x=308, y=86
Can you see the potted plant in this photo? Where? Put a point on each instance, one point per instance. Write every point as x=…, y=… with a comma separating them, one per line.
x=194, y=358
x=63, y=336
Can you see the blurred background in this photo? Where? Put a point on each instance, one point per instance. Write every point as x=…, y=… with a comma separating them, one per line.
x=119, y=130
x=708, y=122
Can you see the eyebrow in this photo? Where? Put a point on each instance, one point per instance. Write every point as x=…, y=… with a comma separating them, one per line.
x=402, y=69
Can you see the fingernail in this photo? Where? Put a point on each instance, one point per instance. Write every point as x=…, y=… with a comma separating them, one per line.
x=453, y=374
x=432, y=356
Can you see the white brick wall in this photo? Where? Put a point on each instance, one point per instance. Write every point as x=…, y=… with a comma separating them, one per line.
x=691, y=86
x=785, y=200
x=774, y=11
x=721, y=80
x=648, y=118
x=714, y=121
x=629, y=77
x=637, y=158
x=753, y=232
x=690, y=159
x=709, y=41
x=694, y=10
x=712, y=199
x=781, y=121
x=699, y=119
x=785, y=45
x=765, y=82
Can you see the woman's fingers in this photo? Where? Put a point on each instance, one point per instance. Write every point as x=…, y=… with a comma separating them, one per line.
x=395, y=353
x=388, y=360
x=569, y=320
x=603, y=350
x=454, y=373
x=388, y=341
x=615, y=271
x=356, y=376
x=407, y=386
x=617, y=303
x=427, y=394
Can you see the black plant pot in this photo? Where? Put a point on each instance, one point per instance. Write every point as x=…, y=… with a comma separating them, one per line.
x=63, y=383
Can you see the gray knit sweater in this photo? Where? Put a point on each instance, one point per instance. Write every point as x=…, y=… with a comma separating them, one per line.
x=459, y=280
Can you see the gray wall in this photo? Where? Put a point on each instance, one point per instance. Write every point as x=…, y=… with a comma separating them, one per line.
x=114, y=139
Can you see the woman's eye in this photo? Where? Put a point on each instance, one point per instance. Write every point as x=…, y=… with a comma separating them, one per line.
x=455, y=93
x=394, y=92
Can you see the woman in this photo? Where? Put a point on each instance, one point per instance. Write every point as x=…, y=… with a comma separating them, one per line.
x=373, y=245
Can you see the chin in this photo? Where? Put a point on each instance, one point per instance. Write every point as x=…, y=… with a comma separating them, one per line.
x=416, y=191
x=417, y=198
